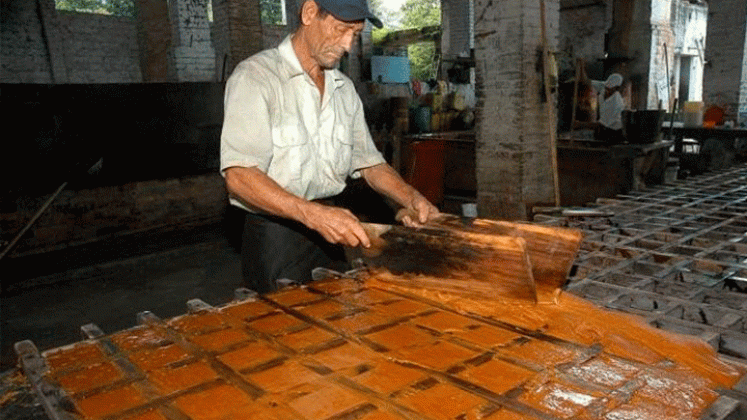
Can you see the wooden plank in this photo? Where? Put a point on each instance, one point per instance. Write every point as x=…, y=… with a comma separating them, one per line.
x=450, y=258
x=551, y=250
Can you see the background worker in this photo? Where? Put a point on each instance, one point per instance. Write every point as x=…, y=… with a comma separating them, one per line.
x=293, y=131
x=610, y=105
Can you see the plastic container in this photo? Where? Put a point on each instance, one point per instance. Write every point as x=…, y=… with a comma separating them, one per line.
x=425, y=169
x=692, y=114
x=642, y=127
x=672, y=170
x=420, y=119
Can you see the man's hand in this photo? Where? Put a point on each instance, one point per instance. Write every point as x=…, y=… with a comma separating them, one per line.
x=417, y=209
x=335, y=224
x=419, y=212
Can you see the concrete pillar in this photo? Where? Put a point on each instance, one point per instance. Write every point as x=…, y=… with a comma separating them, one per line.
x=513, y=165
x=240, y=24
x=725, y=50
x=154, y=37
x=194, y=56
x=53, y=40
x=631, y=50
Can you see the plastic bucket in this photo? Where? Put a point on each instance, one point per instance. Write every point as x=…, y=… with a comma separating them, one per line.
x=692, y=114
x=420, y=119
x=426, y=169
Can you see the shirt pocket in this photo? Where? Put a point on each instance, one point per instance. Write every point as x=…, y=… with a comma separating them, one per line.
x=291, y=155
x=343, y=159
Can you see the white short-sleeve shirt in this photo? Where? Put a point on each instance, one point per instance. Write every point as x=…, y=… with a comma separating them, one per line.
x=275, y=120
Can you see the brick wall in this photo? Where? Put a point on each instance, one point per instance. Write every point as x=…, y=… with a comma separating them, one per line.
x=24, y=56
x=237, y=31
x=80, y=216
x=582, y=31
x=92, y=58
x=41, y=45
x=160, y=148
x=743, y=89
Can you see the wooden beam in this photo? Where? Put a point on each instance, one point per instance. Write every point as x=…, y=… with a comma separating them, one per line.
x=409, y=36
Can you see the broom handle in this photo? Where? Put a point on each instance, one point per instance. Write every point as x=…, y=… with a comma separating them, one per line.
x=33, y=220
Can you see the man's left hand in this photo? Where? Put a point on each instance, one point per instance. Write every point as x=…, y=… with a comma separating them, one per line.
x=419, y=212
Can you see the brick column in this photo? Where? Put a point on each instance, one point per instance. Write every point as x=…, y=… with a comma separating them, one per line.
x=194, y=56
x=53, y=40
x=631, y=50
x=725, y=50
x=240, y=32
x=154, y=37
x=513, y=166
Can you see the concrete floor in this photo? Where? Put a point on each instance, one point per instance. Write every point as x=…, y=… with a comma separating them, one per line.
x=157, y=272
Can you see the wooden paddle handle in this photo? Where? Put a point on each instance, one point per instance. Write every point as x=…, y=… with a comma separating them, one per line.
x=414, y=216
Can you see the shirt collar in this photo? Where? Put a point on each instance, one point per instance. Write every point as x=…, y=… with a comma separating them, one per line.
x=290, y=60
x=293, y=66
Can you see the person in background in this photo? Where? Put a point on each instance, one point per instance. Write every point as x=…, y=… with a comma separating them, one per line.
x=293, y=132
x=610, y=104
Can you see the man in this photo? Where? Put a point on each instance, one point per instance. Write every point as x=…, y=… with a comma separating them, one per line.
x=293, y=132
x=611, y=106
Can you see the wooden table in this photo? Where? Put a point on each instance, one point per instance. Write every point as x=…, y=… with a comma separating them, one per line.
x=590, y=169
x=726, y=136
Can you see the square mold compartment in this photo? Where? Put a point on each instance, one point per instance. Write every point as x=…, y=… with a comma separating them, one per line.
x=669, y=289
x=722, y=298
x=593, y=264
x=647, y=244
x=642, y=302
x=733, y=230
x=719, y=235
x=593, y=290
x=681, y=328
x=664, y=236
x=679, y=230
x=733, y=344
x=739, y=247
x=685, y=250
x=620, y=279
x=737, y=282
x=663, y=221
x=701, y=241
x=700, y=314
x=727, y=257
x=662, y=258
x=645, y=269
x=704, y=276
x=710, y=268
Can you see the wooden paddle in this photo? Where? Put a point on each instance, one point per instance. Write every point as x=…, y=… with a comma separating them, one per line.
x=471, y=256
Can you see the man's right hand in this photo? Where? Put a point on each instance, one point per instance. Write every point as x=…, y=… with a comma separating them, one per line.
x=337, y=225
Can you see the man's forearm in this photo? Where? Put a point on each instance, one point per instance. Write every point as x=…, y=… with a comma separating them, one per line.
x=255, y=188
x=385, y=180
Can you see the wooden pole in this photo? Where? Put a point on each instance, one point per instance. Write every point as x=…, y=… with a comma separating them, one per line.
x=575, y=99
x=550, y=105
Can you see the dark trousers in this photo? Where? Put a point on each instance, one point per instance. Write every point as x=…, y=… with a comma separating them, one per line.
x=275, y=248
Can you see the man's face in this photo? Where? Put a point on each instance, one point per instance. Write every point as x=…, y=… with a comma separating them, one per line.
x=331, y=38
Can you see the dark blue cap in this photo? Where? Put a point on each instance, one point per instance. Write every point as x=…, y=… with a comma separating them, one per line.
x=350, y=10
